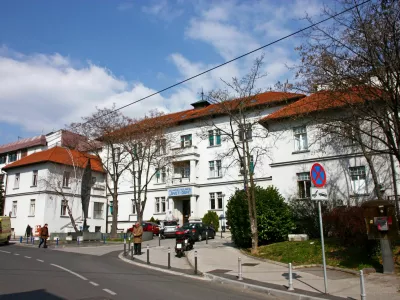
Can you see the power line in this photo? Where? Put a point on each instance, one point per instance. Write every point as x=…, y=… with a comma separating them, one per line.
x=232, y=60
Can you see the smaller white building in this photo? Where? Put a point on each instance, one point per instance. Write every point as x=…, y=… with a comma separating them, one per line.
x=45, y=186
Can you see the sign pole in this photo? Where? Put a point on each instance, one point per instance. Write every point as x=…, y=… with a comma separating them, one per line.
x=323, y=246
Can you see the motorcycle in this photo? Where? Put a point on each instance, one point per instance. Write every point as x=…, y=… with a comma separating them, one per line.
x=184, y=242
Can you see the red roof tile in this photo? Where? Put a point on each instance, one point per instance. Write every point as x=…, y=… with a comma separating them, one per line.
x=321, y=101
x=58, y=155
x=23, y=143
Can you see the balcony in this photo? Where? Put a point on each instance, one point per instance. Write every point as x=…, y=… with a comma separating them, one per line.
x=185, y=153
x=180, y=180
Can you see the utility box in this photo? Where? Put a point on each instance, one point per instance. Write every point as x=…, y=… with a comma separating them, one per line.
x=380, y=219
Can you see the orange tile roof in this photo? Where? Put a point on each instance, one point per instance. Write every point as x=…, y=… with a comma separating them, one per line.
x=321, y=101
x=58, y=155
x=262, y=99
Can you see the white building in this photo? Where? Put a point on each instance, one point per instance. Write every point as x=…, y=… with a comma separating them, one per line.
x=201, y=178
x=41, y=185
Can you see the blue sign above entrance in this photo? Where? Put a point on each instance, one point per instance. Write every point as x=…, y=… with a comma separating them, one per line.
x=186, y=191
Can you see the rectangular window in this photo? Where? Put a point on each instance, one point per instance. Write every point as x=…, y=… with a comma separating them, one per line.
x=186, y=141
x=133, y=207
x=3, y=159
x=98, y=210
x=24, y=152
x=161, y=175
x=66, y=179
x=215, y=168
x=246, y=133
x=216, y=203
x=12, y=157
x=300, y=138
x=303, y=185
x=16, y=181
x=64, y=205
x=111, y=208
x=214, y=137
x=157, y=204
x=32, y=207
x=161, y=146
x=34, y=177
x=358, y=180
x=251, y=167
x=163, y=208
x=14, y=209
x=211, y=137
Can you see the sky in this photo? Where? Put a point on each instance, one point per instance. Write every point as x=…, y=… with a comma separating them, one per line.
x=59, y=60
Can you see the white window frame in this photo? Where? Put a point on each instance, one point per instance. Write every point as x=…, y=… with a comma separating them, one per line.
x=98, y=213
x=161, y=175
x=161, y=146
x=216, y=201
x=133, y=207
x=300, y=138
x=157, y=205
x=215, y=168
x=163, y=205
x=66, y=177
x=186, y=141
x=32, y=208
x=34, y=177
x=358, y=179
x=303, y=185
x=17, y=180
x=14, y=209
x=247, y=134
x=64, y=208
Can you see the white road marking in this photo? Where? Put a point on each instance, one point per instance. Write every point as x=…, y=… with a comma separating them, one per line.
x=28, y=257
x=94, y=283
x=16, y=254
x=5, y=251
x=69, y=271
x=110, y=292
x=40, y=260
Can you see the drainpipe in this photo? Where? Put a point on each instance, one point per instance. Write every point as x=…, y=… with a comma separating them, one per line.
x=394, y=186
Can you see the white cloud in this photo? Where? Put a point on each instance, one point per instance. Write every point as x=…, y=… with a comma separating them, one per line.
x=125, y=6
x=163, y=10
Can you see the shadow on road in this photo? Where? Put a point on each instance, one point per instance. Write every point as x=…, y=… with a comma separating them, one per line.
x=38, y=294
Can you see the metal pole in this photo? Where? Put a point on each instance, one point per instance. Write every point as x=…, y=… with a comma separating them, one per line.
x=195, y=262
x=221, y=233
x=77, y=238
x=129, y=244
x=240, y=269
x=132, y=252
x=148, y=255
x=207, y=236
x=159, y=239
x=124, y=247
x=32, y=240
x=290, y=278
x=57, y=242
x=169, y=258
x=27, y=241
x=20, y=239
x=323, y=246
x=362, y=286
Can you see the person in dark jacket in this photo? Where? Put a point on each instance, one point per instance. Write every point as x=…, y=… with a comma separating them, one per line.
x=44, y=235
x=28, y=231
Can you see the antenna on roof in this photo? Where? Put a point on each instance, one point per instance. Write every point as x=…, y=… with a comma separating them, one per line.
x=202, y=95
x=19, y=137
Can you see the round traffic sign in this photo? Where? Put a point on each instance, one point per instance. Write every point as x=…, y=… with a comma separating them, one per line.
x=318, y=175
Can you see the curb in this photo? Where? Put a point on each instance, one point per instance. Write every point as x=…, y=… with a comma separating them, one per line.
x=121, y=256
x=353, y=272
x=265, y=290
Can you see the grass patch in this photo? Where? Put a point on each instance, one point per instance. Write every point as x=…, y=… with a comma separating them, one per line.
x=310, y=252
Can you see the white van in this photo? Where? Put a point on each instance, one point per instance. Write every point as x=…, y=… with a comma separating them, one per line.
x=5, y=230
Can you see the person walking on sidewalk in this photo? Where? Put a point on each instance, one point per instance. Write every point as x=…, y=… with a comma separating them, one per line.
x=44, y=235
x=137, y=238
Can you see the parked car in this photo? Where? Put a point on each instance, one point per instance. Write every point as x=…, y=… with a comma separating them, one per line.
x=168, y=228
x=198, y=230
x=153, y=227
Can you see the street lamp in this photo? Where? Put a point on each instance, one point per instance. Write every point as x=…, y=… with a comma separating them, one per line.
x=223, y=213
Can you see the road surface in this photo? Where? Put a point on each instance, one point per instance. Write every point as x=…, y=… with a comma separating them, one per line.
x=32, y=273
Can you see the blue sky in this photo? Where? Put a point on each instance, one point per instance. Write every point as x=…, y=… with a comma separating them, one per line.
x=61, y=59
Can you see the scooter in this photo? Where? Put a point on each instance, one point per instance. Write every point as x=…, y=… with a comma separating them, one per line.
x=184, y=242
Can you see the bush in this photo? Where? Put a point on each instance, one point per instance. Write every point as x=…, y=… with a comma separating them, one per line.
x=152, y=220
x=274, y=218
x=211, y=218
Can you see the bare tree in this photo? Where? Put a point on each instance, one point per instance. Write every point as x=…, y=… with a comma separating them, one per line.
x=148, y=146
x=59, y=181
x=243, y=109
x=356, y=58
x=100, y=139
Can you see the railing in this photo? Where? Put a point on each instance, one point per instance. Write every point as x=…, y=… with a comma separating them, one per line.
x=180, y=180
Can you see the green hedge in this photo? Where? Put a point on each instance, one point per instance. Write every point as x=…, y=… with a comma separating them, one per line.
x=211, y=218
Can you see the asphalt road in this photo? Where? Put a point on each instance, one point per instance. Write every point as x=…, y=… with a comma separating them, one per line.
x=32, y=273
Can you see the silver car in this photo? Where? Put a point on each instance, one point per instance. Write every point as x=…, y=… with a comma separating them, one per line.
x=168, y=228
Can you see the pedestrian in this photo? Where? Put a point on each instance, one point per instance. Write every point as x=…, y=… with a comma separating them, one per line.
x=137, y=238
x=28, y=231
x=44, y=235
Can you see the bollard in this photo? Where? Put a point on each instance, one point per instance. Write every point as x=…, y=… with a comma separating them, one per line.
x=362, y=286
x=124, y=247
x=148, y=255
x=20, y=239
x=290, y=278
x=221, y=234
x=104, y=241
x=207, y=237
x=240, y=269
x=57, y=242
x=77, y=239
x=132, y=252
x=195, y=262
x=27, y=241
x=32, y=240
x=159, y=240
x=169, y=258
x=129, y=244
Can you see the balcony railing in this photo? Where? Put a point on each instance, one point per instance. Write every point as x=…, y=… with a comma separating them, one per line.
x=180, y=180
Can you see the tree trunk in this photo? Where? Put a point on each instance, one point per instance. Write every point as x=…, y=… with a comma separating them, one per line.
x=253, y=217
x=72, y=218
x=114, y=223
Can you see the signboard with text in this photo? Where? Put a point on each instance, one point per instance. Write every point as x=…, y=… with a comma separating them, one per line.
x=178, y=192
